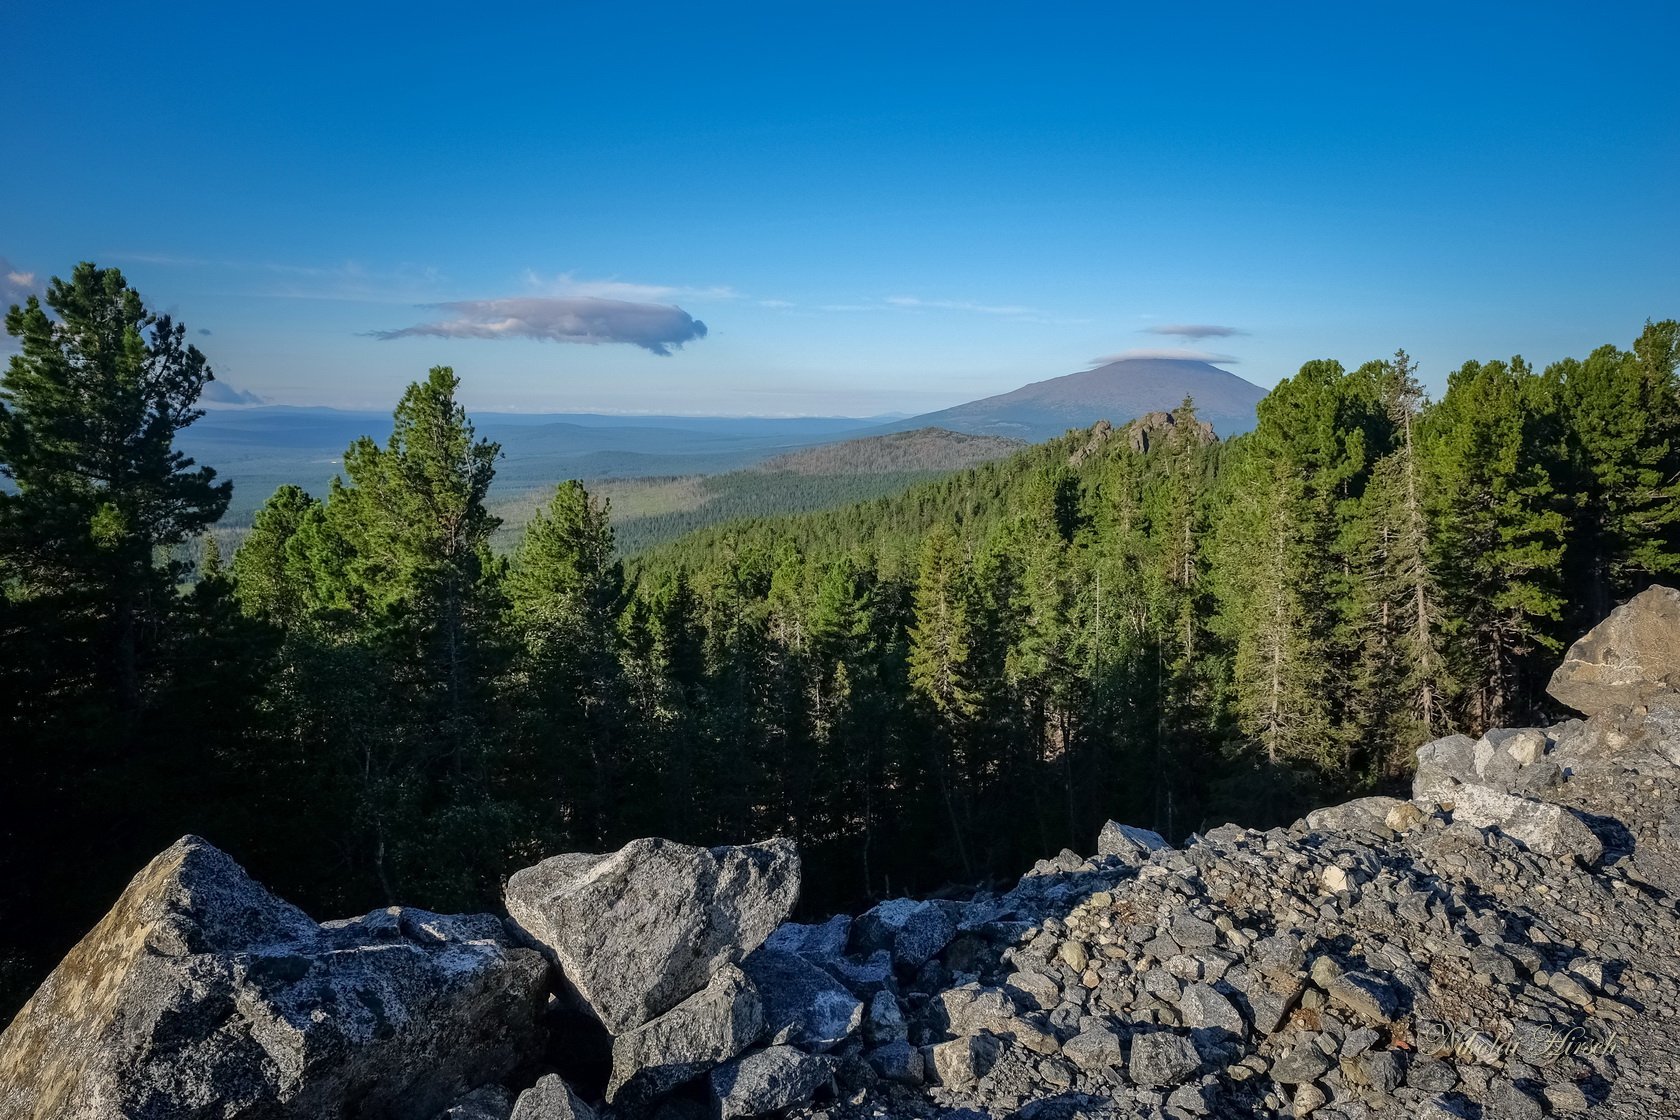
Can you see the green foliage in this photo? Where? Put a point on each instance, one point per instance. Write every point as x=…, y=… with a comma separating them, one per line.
x=565, y=592
x=89, y=410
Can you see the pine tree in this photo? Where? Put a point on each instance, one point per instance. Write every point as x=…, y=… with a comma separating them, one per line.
x=267, y=577
x=413, y=517
x=89, y=412
x=1285, y=555
x=390, y=670
x=94, y=637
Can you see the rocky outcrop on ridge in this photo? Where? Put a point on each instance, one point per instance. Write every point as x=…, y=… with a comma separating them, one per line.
x=1503, y=943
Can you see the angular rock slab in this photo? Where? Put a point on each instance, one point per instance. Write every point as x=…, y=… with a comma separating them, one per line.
x=1162, y=1059
x=1441, y=765
x=1369, y=814
x=803, y=1005
x=489, y=1102
x=768, y=1080
x=1539, y=826
x=713, y=1025
x=823, y=941
x=551, y=1099
x=201, y=994
x=638, y=931
x=1630, y=658
x=1128, y=842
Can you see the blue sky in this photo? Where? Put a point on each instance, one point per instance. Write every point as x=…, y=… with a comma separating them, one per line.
x=871, y=207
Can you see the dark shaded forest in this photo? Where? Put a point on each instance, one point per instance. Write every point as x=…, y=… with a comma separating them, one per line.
x=367, y=704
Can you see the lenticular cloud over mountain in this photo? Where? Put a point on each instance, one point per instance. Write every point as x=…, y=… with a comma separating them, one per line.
x=657, y=328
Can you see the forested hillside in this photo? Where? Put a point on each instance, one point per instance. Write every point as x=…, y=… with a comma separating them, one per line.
x=652, y=511
x=367, y=704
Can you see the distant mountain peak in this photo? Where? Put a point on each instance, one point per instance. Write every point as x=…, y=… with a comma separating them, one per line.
x=1119, y=392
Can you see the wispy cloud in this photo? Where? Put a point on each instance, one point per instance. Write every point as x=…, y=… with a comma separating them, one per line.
x=348, y=281
x=1006, y=310
x=1195, y=331
x=15, y=284
x=568, y=285
x=1176, y=355
x=657, y=328
x=352, y=282
x=168, y=260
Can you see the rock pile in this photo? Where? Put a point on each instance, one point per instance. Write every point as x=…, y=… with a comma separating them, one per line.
x=1502, y=944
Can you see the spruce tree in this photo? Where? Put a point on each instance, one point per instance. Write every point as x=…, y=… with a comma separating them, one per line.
x=1621, y=459
x=942, y=642
x=1403, y=585
x=566, y=593
x=1499, y=534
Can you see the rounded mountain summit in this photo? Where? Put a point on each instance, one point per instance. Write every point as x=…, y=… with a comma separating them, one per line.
x=1117, y=392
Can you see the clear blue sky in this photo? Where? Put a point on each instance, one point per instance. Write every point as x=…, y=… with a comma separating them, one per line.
x=871, y=207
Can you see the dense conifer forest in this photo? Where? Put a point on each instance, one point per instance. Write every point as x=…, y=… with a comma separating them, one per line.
x=367, y=704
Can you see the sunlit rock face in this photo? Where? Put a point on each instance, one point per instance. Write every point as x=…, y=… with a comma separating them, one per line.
x=203, y=995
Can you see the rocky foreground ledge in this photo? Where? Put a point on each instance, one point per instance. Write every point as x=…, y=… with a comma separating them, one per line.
x=1503, y=944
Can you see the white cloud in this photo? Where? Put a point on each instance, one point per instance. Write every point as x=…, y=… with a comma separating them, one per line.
x=1195, y=331
x=15, y=284
x=657, y=328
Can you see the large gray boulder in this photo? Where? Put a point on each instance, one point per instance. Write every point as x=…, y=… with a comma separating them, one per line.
x=803, y=1005
x=638, y=931
x=203, y=995
x=1368, y=814
x=1129, y=842
x=711, y=1026
x=768, y=1081
x=1442, y=765
x=1629, y=658
x=1539, y=826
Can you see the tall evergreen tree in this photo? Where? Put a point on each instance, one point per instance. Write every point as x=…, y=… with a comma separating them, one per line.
x=267, y=572
x=1410, y=667
x=566, y=594
x=1499, y=534
x=942, y=643
x=1621, y=458
x=89, y=411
